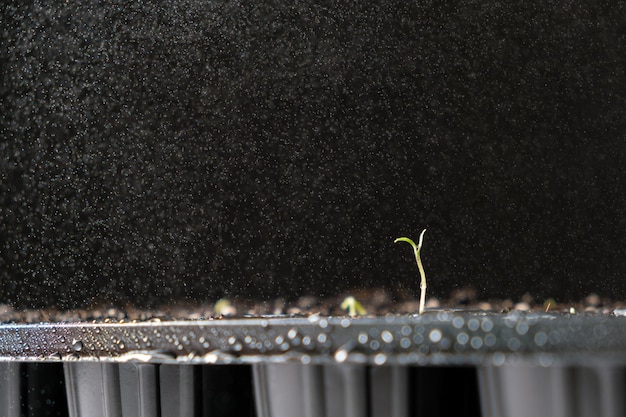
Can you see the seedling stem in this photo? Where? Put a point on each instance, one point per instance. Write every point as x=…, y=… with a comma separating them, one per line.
x=416, y=249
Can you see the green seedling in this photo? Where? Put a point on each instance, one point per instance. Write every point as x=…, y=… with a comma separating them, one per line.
x=353, y=306
x=224, y=307
x=548, y=303
x=416, y=249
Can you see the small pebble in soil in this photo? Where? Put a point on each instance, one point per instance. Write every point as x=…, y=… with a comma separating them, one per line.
x=306, y=302
x=463, y=296
x=484, y=306
x=224, y=307
x=593, y=300
x=432, y=303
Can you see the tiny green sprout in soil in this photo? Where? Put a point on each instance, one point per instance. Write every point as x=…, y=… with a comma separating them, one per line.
x=353, y=306
x=224, y=307
x=416, y=250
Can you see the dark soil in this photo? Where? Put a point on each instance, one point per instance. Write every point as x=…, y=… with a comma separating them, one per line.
x=377, y=302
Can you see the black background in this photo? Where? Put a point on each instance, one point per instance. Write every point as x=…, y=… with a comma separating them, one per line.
x=190, y=150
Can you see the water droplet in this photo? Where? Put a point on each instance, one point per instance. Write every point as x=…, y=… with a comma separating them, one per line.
x=217, y=356
x=405, y=343
x=486, y=325
x=476, y=342
x=380, y=359
x=490, y=340
x=443, y=316
x=341, y=355
x=473, y=324
x=386, y=336
x=498, y=359
x=541, y=338
x=458, y=322
x=435, y=335
x=294, y=337
x=546, y=360
x=514, y=343
x=77, y=345
x=314, y=318
x=462, y=338
x=445, y=343
x=521, y=328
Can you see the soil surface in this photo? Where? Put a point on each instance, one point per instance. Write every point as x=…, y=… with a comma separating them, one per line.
x=377, y=302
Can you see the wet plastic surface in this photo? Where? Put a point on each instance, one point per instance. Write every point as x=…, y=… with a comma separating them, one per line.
x=435, y=338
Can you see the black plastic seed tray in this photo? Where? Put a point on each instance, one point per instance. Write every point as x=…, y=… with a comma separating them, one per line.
x=435, y=338
x=485, y=365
